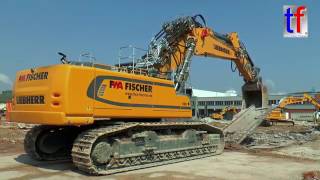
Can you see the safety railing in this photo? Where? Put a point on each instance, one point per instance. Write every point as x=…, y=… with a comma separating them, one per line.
x=87, y=59
x=131, y=54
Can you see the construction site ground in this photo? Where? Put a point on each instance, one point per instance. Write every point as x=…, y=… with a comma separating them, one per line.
x=277, y=152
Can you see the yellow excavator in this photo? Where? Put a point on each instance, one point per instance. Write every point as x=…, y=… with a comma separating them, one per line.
x=224, y=112
x=278, y=115
x=110, y=119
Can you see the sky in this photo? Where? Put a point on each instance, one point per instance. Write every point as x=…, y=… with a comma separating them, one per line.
x=33, y=31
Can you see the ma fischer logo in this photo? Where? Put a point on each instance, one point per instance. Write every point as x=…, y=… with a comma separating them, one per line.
x=130, y=86
x=295, y=21
x=34, y=76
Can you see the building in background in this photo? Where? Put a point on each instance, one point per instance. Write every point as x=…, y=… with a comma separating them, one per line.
x=204, y=103
x=5, y=96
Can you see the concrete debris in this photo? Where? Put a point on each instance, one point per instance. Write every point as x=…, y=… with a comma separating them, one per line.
x=273, y=139
x=210, y=120
x=242, y=124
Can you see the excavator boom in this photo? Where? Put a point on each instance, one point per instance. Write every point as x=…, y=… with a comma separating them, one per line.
x=171, y=51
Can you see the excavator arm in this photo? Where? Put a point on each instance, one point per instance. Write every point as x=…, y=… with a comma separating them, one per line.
x=295, y=100
x=171, y=50
x=291, y=100
x=312, y=101
x=226, y=47
x=229, y=47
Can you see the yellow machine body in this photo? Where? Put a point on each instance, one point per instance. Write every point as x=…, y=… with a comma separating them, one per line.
x=220, y=115
x=78, y=95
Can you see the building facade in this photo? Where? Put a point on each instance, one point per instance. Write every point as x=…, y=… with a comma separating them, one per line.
x=204, y=106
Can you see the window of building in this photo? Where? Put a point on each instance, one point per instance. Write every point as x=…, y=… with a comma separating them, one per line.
x=227, y=103
x=211, y=103
x=237, y=103
x=270, y=102
x=219, y=103
x=201, y=103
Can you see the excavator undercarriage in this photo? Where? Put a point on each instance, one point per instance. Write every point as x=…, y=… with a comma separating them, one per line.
x=106, y=150
x=118, y=148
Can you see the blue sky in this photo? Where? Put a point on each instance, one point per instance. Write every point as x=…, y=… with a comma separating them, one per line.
x=32, y=32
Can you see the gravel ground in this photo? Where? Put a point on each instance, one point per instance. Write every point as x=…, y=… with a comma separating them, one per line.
x=277, y=159
x=229, y=165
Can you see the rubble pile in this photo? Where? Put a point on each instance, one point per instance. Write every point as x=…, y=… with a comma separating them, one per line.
x=272, y=139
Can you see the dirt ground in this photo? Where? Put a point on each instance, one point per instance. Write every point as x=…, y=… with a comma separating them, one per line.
x=291, y=162
x=11, y=140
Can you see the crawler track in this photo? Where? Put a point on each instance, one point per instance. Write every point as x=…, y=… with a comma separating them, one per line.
x=83, y=146
x=40, y=140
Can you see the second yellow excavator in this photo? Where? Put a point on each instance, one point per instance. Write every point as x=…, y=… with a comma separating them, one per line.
x=225, y=113
x=278, y=115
